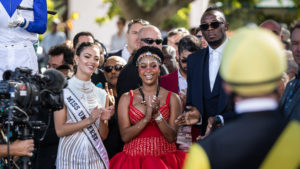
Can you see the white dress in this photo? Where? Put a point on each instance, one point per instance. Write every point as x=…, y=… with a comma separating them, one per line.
x=75, y=151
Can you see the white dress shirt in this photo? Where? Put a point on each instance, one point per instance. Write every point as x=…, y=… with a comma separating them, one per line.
x=215, y=56
x=118, y=42
x=182, y=83
x=255, y=105
x=125, y=53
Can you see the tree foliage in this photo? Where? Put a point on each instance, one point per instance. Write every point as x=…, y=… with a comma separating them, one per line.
x=158, y=12
x=242, y=12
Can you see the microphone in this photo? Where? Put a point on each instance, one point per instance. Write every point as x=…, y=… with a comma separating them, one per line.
x=55, y=80
x=7, y=74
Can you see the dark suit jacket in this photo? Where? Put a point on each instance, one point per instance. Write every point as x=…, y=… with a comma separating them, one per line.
x=244, y=142
x=170, y=82
x=293, y=111
x=195, y=79
x=117, y=53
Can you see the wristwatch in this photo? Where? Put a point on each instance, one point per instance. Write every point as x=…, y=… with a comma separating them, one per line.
x=159, y=117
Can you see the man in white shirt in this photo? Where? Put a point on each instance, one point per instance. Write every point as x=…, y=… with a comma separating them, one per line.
x=55, y=37
x=118, y=40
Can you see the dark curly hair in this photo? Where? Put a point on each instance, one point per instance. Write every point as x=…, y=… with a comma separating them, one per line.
x=77, y=36
x=190, y=43
x=84, y=45
x=65, y=50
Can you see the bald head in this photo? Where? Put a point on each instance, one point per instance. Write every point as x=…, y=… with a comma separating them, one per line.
x=149, y=36
x=112, y=68
x=117, y=59
x=272, y=26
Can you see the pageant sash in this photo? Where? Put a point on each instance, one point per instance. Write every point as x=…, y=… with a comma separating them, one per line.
x=78, y=112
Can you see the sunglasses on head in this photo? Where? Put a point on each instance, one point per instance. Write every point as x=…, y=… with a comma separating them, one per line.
x=150, y=41
x=214, y=25
x=110, y=68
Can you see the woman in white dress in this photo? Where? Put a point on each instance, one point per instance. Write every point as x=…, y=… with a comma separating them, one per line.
x=76, y=150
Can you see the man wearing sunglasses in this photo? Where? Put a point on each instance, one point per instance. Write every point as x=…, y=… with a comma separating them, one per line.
x=112, y=67
x=206, y=100
x=133, y=29
x=149, y=36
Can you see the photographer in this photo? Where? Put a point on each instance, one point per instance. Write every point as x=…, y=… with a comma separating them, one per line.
x=18, y=148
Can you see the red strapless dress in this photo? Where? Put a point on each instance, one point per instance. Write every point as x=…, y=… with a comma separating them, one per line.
x=149, y=149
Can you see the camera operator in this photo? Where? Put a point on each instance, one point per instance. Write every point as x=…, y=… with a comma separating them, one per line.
x=59, y=56
x=18, y=148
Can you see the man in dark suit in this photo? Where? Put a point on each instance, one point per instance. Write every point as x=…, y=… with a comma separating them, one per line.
x=205, y=96
x=133, y=29
x=289, y=102
x=259, y=136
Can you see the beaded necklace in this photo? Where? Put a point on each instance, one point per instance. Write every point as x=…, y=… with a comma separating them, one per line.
x=143, y=96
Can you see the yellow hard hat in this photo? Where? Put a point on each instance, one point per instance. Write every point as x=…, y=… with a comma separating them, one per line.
x=253, y=62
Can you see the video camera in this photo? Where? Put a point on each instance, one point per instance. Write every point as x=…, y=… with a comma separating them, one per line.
x=23, y=96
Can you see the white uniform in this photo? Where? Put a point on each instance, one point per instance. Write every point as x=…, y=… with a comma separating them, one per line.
x=16, y=44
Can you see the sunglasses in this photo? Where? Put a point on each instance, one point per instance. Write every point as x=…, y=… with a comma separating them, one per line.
x=110, y=68
x=213, y=25
x=150, y=41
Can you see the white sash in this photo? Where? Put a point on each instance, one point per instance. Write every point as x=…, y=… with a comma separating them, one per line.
x=77, y=113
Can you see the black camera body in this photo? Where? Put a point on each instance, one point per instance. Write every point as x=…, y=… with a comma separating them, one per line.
x=24, y=97
x=29, y=92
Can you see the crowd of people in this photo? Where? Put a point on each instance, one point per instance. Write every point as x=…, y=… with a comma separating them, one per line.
x=196, y=99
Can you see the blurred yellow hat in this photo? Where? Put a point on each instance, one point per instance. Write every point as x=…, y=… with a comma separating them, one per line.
x=253, y=62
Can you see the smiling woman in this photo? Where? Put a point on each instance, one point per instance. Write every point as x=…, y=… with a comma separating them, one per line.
x=148, y=120
x=82, y=123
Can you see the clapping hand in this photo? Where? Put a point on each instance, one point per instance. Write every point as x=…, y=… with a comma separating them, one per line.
x=153, y=103
x=96, y=113
x=18, y=21
x=107, y=112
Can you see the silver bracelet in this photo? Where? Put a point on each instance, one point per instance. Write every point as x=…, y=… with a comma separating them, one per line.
x=159, y=117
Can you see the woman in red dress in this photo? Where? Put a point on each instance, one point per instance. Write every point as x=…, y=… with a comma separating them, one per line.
x=147, y=120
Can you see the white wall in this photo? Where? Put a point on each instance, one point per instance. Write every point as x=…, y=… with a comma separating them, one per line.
x=197, y=9
x=88, y=10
